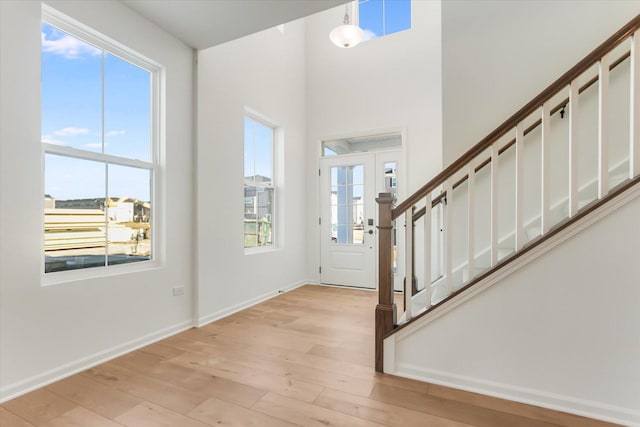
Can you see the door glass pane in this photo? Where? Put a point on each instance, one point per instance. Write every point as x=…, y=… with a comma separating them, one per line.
x=391, y=186
x=347, y=204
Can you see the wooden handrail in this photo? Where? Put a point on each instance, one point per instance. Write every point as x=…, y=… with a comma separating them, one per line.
x=440, y=197
x=520, y=115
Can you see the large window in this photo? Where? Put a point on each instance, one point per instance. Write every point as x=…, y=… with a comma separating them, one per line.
x=259, y=188
x=379, y=18
x=99, y=145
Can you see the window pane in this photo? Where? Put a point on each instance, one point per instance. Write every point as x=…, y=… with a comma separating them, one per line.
x=127, y=109
x=249, y=150
x=258, y=151
x=370, y=18
x=381, y=17
x=129, y=214
x=74, y=227
x=258, y=216
x=397, y=16
x=263, y=153
x=71, y=91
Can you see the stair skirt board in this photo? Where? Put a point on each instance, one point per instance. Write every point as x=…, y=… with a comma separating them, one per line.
x=535, y=397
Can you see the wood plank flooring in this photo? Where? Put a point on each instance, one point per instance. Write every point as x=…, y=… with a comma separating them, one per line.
x=304, y=358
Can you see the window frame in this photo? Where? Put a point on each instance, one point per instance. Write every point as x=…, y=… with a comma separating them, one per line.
x=275, y=136
x=155, y=165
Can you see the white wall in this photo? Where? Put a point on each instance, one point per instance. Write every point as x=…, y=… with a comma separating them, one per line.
x=50, y=331
x=266, y=73
x=386, y=83
x=560, y=332
x=498, y=55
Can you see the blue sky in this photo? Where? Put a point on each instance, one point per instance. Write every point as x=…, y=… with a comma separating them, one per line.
x=381, y=17
x=75, y=113
x=72, y=115
x=258, y=149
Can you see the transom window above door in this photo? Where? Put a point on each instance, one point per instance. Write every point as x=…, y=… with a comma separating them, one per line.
x=361, y=144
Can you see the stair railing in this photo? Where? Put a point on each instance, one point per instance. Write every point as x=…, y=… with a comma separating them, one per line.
x=510, y=135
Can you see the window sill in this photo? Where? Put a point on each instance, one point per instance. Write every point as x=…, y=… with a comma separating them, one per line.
x=69, y=276
x=260, y=250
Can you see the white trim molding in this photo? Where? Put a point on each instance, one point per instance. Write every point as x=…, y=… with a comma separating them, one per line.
x=14, y=390
x=228, y=311
x=557, y=402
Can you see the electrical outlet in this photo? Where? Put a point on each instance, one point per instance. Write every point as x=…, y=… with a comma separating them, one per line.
x=178, y=290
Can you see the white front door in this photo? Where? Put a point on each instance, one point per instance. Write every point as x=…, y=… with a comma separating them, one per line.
x=348, y=218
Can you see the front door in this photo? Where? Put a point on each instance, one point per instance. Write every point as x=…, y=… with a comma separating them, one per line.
x=348, y=219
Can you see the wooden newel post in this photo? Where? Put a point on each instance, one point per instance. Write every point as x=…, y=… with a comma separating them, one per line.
x=386, y=308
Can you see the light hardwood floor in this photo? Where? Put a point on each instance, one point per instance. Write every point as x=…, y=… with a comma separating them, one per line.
x=304, y=358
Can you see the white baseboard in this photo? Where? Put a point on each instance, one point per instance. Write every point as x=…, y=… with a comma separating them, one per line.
x=586, y=408
x=14, y=390
x=217, y=315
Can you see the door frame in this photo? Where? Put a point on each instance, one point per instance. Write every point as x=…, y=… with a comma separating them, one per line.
x=401, y=192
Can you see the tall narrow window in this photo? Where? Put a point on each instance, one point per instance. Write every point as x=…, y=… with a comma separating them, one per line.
x=259, y=188
x=99, y=150
x=379, y=18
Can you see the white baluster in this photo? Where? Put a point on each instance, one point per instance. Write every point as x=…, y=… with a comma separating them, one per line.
x=519, y=187
x=471, y=209
x=545, y=223
x=448, y=235
x=408, y=255
x=427, y=248
x=634, y=132
x=494, y=204
x=573, y=148
x=603, y=127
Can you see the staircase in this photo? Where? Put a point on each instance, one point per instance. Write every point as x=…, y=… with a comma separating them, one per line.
x=565, y=160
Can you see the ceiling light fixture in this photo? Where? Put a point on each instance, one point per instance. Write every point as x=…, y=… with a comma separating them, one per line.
x=347, y=34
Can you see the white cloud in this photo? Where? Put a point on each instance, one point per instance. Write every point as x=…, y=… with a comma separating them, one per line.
x=69, y=47
x=48, y=139
x=368, y=35
x=95, y=145
x=71, y=131
x=114, y=133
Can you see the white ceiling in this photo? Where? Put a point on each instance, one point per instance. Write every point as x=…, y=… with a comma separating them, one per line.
x=206, y=23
